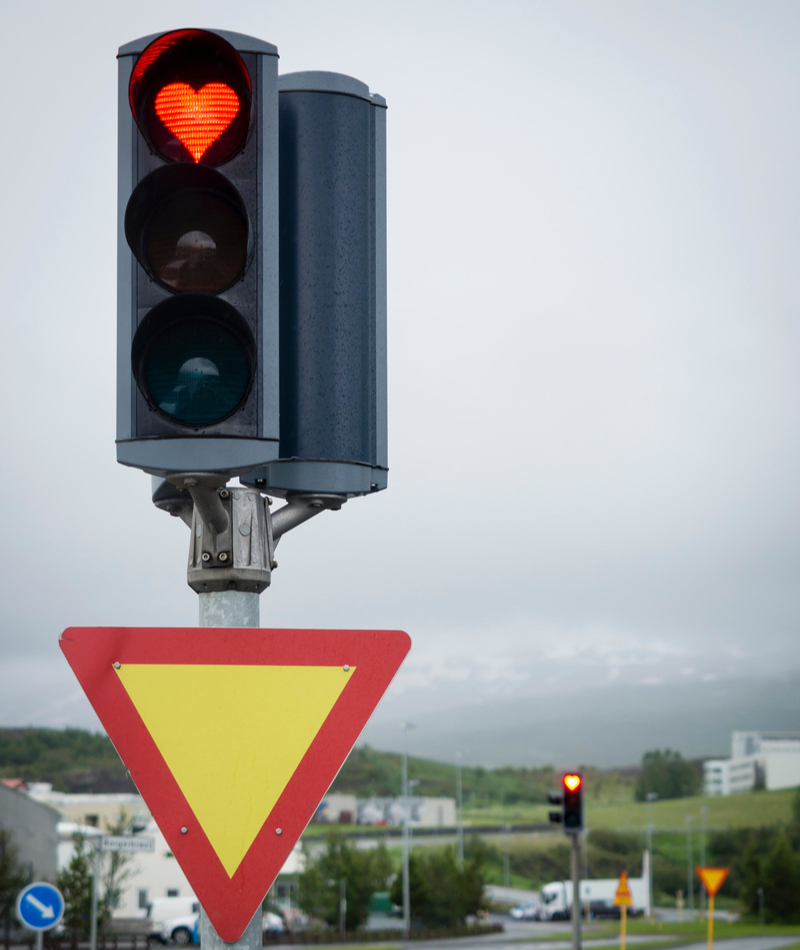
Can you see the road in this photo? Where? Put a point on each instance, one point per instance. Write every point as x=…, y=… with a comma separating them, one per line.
x=523, y=933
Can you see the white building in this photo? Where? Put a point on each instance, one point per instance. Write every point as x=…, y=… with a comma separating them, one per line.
x=771, y=758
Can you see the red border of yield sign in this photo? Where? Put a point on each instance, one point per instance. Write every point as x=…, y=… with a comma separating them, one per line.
x=231, y=902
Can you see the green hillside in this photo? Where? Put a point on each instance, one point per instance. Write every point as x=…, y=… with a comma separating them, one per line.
x=72, y=759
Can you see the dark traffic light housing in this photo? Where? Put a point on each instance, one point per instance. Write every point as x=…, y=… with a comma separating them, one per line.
x=333, y=426
x=197, y=307
x=570, y=798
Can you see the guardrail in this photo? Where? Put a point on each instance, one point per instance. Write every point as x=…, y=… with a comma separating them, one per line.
x=376, y=936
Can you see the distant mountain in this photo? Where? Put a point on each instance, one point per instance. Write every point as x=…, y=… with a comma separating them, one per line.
x=609, y=726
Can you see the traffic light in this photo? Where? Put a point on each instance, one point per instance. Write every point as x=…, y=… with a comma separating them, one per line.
x=333, y=431
x=570, y=798
x=197, y=299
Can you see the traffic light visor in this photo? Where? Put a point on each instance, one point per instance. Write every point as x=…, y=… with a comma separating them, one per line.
x=190, y=94
x=188, y=227
x=194, y=359
x=572, y=782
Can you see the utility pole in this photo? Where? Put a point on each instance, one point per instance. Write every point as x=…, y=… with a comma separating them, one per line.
x=689, y=863
x=703, y=810
x=95, y=890
x=459, y=816
x=650, y=797
x=406, y=848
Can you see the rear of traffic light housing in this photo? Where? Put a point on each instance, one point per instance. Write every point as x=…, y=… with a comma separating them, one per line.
x=197, y=308
x=333, y=422
x=570, y=798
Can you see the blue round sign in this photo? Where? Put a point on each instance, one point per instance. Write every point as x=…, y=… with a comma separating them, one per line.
x=40, y=906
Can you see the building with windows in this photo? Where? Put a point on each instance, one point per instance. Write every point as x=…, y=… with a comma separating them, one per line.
x=768, y=760
x=33, y=829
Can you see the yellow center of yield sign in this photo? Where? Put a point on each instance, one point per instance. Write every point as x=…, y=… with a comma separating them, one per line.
x=233, y=736
x=712, y=878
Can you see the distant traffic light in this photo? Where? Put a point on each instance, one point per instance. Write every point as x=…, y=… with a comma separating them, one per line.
x=571, y=800
x=197, y=373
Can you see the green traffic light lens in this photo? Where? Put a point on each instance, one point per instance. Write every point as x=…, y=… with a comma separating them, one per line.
x=193, y=359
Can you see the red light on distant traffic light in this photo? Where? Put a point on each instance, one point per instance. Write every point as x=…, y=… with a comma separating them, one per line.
x=572, y=782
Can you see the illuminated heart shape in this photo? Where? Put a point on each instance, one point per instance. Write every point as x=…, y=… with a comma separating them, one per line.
x=197, y=118
x=572, y=782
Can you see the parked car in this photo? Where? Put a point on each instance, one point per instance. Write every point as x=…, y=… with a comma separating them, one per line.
x=171, y=919
x=175, y=930
x=531, y=911
x=272, y=923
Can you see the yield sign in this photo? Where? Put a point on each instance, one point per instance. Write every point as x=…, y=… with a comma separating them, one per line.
x=233, y=736
x=623, y=896
x=712, y=878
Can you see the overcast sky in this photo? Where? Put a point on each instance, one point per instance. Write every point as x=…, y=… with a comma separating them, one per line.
x=593, y=347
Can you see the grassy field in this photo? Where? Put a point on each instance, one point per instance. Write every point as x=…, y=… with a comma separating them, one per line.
x=618, y=811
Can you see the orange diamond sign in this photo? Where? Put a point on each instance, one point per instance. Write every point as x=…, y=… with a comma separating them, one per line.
x=623, y=896
x=232, y=737
x=712, y=878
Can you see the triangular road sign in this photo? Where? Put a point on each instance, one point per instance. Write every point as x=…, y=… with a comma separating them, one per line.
x=623, y=896
x=233, y=736
x=712, y=878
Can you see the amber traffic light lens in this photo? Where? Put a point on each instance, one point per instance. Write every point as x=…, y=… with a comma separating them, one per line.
x=188, y=227
x=190, y=94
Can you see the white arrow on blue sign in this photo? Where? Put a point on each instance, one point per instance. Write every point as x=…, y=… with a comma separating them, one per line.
x=40, y=906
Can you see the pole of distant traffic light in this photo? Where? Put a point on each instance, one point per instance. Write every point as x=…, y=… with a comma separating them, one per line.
x=230, y=608
x=711, y=922
x=576, y=890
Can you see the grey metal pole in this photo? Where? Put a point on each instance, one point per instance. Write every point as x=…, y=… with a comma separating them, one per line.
x=459, y=816
x=342, y=907
x=39, y=940
x=576, y=891
x=406, y=882
x=703, y=810
x=650, y=797
x=229, y=608
x=689, y=862
x=95, y=888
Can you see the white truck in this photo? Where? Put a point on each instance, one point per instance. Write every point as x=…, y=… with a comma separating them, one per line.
x=598, y=893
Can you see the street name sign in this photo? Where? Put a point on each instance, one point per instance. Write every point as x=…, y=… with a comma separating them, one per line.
x=40, y=906
x=623, y=896
x=126, y=844
x=232, y=736
x=712, y=878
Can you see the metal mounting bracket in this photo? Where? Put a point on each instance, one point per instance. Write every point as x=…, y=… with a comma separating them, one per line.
x=233, y=532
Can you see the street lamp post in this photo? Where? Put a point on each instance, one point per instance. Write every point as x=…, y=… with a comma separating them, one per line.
x=404, y=792
x=650, y=797
x=689, y=862
x=459, y=817
x=342, y=907
x=703, y=810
